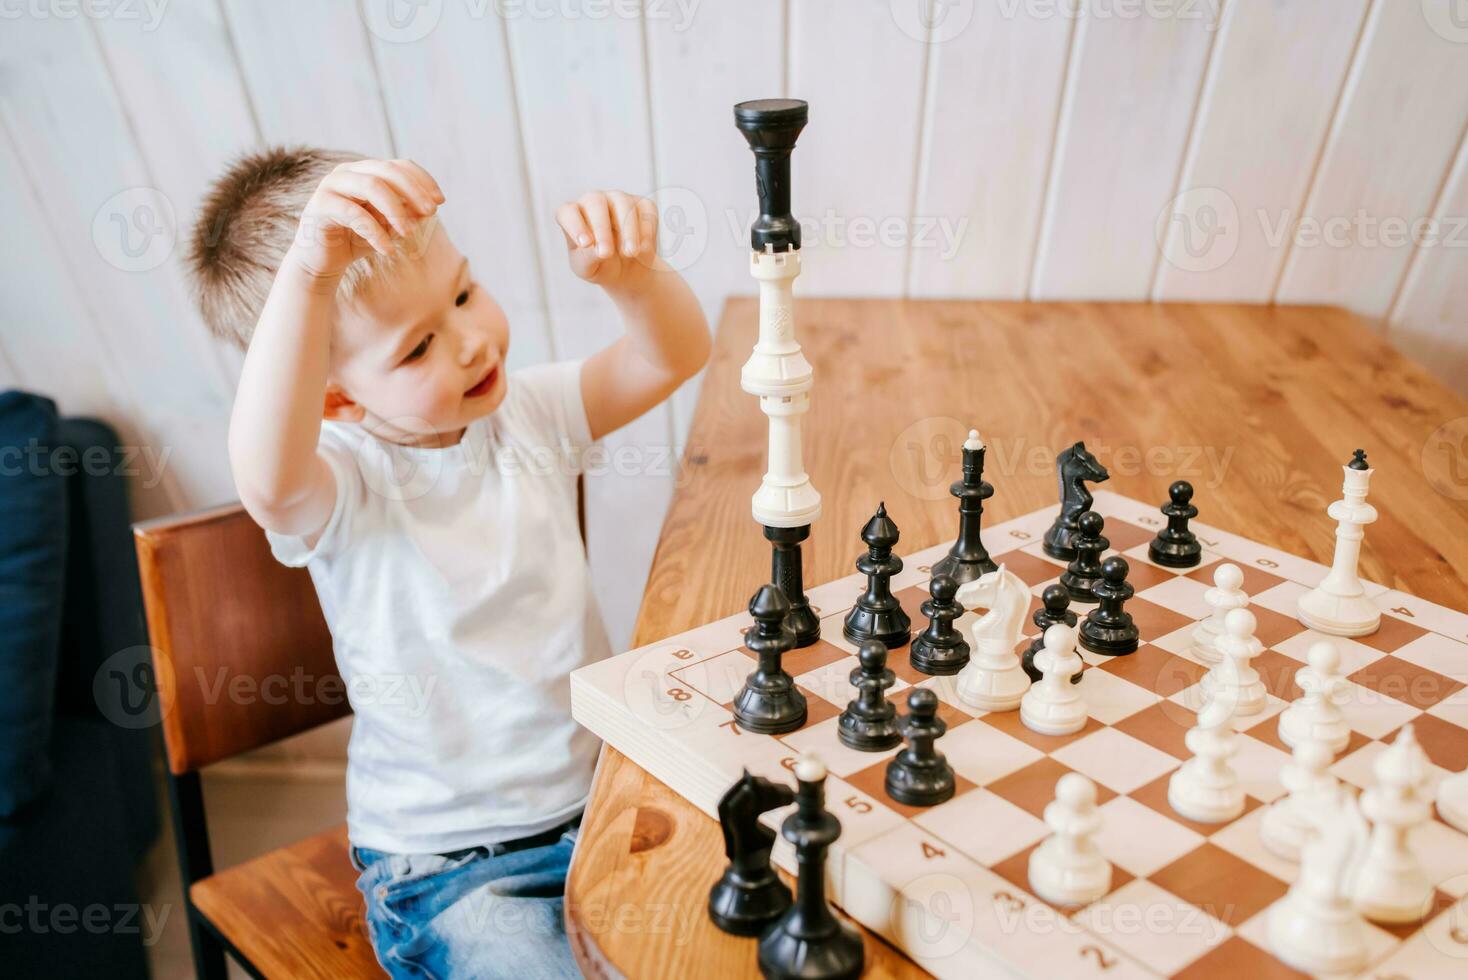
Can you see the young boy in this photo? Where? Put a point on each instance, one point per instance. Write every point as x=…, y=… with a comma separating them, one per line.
x=380, y=442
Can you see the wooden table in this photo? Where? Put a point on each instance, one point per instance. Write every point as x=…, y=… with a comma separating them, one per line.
x=1257, y=406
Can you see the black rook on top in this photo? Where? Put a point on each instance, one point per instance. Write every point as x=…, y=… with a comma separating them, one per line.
x=771, y=126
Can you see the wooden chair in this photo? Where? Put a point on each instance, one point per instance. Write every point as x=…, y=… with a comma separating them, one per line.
x=216, y=597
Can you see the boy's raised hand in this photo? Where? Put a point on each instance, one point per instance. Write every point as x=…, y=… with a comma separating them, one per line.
x=361, y=207
x=608, y=234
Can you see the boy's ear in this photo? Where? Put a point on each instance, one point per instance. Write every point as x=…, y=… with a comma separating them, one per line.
x=339, y=407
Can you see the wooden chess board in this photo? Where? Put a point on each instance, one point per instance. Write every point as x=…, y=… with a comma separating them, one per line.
x=948, y=884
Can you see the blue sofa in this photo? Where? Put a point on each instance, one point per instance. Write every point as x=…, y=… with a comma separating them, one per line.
x=78, y=806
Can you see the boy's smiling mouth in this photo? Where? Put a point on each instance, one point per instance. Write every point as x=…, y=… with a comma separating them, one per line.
x=485, y=383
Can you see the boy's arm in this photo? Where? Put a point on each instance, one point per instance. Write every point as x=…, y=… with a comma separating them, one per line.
x=276, y=421
x=612, y=241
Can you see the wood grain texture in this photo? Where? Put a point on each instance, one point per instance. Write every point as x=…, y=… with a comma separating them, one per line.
x=241, y=651
x=294, y=912
x=1257, y=406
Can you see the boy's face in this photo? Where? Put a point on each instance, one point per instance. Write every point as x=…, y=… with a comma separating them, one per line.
x=420, y=355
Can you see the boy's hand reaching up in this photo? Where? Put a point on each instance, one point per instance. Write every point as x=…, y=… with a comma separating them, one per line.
x=609, y=234
x=361, y=207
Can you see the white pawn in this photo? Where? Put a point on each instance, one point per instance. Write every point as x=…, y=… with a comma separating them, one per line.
x=1315, y=713
x=1311, y=787
x=1315, y=928
x=1390, y=884
x=1054, y=706
x=1227, y=594
x=1206, y=788
x=1233, y=676
x=1068, y=868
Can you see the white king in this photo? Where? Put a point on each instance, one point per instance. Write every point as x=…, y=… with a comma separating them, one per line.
x=1338, y=605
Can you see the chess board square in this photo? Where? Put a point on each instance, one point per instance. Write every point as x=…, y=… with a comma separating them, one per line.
x=1241, y=839
x=1393, y=634
x=899, y=661
x=1443, y=851
x=1439, y=654
x=1015, y=869
x=873, y=782
x=1163, y=726
x=822, y=740
x=1354, y=655
x=1452, y=709
x=1256, y=579
x=1154, y=795
x=983, y=826
x=718, y=678
x=1145, y=576
x=1446, y=744
x=1153, y=620
x=1010, y=724
x=1237, y=957
x=1220, y=883
x=1257, y=765
x=1269, y=735
x=1193, y=698
x=1110, y=698
x=1406, y=682
x=1033, y=786
x=912, y=599
x=1140, y=839
x=1283, y=598
x=1358, y=767
x=984, y=754
x=1180, y=594
x=1180, y=642
x=1278, y=674
x=813, y=657
x=946, y=687
x=1162, y=930
x=1115, y=759
x=1124, y=535
x=1371, y=713
x=1156, y=670
x=1273, y=628
x=1031, y=568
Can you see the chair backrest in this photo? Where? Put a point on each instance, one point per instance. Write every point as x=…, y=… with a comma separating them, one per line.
x=241, y=651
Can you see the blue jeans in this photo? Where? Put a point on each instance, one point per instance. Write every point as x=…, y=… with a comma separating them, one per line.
x=482, y=912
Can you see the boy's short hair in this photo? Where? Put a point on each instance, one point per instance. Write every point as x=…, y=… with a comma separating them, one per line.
x=247, y=221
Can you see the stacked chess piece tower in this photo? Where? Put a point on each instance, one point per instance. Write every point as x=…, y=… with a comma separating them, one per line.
x=777, y=372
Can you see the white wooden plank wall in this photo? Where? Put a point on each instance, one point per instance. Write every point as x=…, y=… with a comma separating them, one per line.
x=1250, y=150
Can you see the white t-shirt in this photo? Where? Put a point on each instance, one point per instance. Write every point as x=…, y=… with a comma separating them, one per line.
x=456, y=588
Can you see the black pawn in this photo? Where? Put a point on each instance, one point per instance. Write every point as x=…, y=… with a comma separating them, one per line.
x=1175, y=546
x=1083, y=573
x=919, y=775
x=769, y=702
x=968, y=558
x=869, y=723
x=749, y=895
x=1056, y=609
x=1108, y=628
x=878, y=615
x=940, y=649
x=808, y=942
